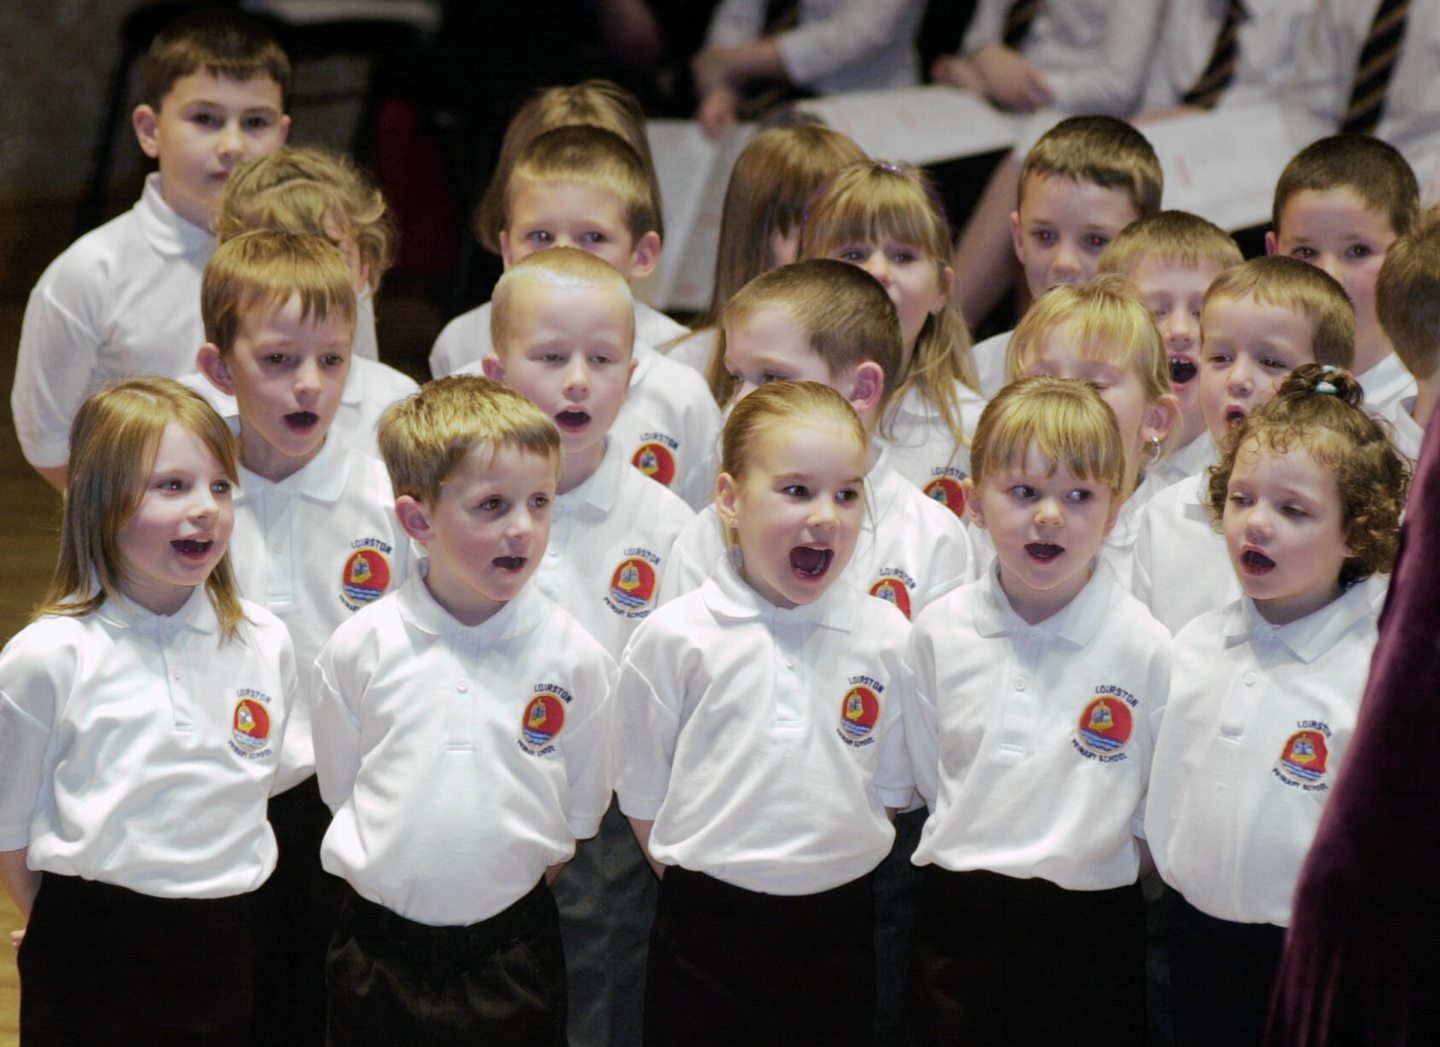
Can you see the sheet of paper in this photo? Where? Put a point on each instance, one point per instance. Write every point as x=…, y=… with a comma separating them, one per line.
x=1223, y=165
x=921, y=125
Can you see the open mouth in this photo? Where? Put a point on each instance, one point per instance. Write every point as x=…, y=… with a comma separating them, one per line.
x=509, y=563
x=572, y=420
x=1256, y=562
x=1182, y=370
x=192, y=548
x=1234, y=416
x=809, y=562
x=1044, y=551
x=301, y=419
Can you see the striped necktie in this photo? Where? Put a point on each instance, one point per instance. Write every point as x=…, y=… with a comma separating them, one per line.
x=1375, y=67
x=1220, y=70
x=1017, y=22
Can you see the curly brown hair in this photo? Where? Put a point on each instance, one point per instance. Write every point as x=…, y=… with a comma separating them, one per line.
x=1319, y=408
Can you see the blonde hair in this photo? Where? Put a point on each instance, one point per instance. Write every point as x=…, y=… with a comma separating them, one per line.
x=424, y=437
x=263, y=270
x=314, y=191
x=1301, y=288
x=592, y=103
x=1101, y=150
x=1107, y=320
x=224, y=44
x=1064, y=419
x=788, y=403
x=845, y=313
x=1373, y=170
x=1177, y=239
x=113, y=442
x=556, y=267
x=873, y=199
x=593, y=157
x=1407, y=296
x=1321, y=409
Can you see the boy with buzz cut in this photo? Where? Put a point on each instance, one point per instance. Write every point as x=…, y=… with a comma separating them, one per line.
x=462, y=727
x=1171, y=259
x=562, y=324
x=124, y=298
x=1260, y=320
x=315, y=540
x=584, y=187
x=1086, y=179
x=1339, y=204
x=1407, y=301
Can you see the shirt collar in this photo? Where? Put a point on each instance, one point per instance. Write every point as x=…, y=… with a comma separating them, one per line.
x=420, y=609
x=727, y=595
x=1386, y=380
x=322, y=479
x=1306, y=638
x=196, y=614
x=883, y=486
x=164, y=229
x=353, y=394
x=1075, y=624
x=601, y=489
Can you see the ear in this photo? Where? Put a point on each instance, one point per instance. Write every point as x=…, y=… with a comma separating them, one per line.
x=505, y=248
x=646, y=256
x=284, y=129
x=146, y=121
x=1271, y=244
x=413, y=519
x=867, y=388
x=947, y=287
x=213, y=365
x=726, y=499
x=1015, y=239
x=973, y=508
x=493, y=368
x=1159, y=418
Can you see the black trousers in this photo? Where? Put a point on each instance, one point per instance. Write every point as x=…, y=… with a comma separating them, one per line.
x=392, y=980
x=102, y=964
x=1221, y=976
x=734, y=967
x=1001, y=960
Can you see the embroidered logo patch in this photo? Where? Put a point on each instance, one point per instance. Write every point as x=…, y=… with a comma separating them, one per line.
x=632, y=586
x=859, y=713
x=250, y=725
x=949, y=492
x=1305, y=757
x=893, y=590
x=365, y=577
x=543, y=721
x=656, y=461
x=1105, y=725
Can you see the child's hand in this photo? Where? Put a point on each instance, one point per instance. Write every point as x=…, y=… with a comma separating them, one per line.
x=718, y=111
x=1010, y=81
x=957, y=71
x=16, y=937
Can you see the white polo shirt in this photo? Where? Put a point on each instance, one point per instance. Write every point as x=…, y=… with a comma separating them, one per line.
x=764, y=742
x=139, y=750
x=122, y=300
x=610, y=541
x=1385, y=385
x=989, y=356
x=1032, y=743
x=314, y=549
x=460, y=761
x=911, y=549
x=924, y=451
x=1182, y=565
x=1190, y=460
x=1407, y=433
x=1259, y=719
x=668, y=426
x=694, y=349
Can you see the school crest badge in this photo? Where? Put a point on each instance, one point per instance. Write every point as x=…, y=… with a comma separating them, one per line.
x=949, y=492
x=1105, y=725
x=542, y=722
x=1305, y=757
x=250, y=725
x=893, y=590
x=364, y=577
x=859, y=712
x=656, y=461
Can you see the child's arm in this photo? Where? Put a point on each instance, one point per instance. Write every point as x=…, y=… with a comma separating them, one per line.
x=336, y=730
x=641, y=827
x=19, y=880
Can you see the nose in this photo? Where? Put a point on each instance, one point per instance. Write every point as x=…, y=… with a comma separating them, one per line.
x=1240, y=378
x=1048, y=512
x=1256, y=523
x=1065, y=265
x=1180, y=327
x=231, y=143
x=203, y=506
x=520, y=525
x=307, y=381
x=877, y=266
x=577, y=378
x=823, y=516
x=1329, y=263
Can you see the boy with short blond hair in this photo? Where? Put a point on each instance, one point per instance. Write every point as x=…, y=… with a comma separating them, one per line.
x=1407, y=302
x=462, y=732
x=1339, y=204
x=1171, y=259
x=1260, y=321
x=123, y=299
x=584, y=187
x=562, y=324
x=317, y=193
x=1086, y=179
x=315, y=539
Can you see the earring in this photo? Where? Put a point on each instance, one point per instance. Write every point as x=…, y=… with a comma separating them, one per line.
x=1155, y=450
x=736, y=555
